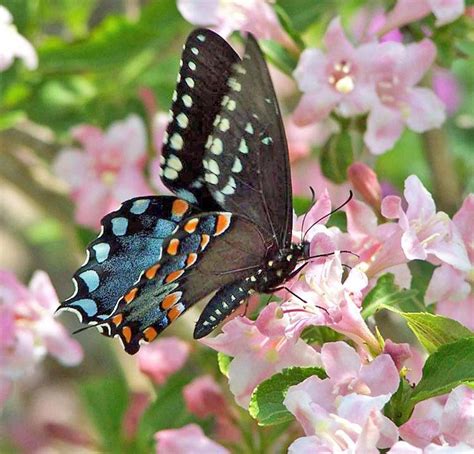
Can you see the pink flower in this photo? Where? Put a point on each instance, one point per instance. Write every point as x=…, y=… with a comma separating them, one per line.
x=107, y=171
x=452, y=422
x=188, y=439
x=343, y=411
x=12, y=44
x=203, y=397
x=402, y=447
x=368, y=23
x=28, y=329
x=267, y=350
x=139, y=402
x=227, y=16
x=162, y=358
x=330, y=302
x=427, y=234
x=446, y=87
x=339, y=80
x=396, y=70
x=398, y=352
x=364, y=180
x=406, y=11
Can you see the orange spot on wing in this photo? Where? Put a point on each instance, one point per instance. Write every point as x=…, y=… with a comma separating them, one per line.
x=191, y=260
x=169, y=300
x=117, y=319
x=130, y=296
x=179, y=207
x=173, y=276
x=151, y=272
x=150, y=333
x=223, y=222
x=173, y=246
x=174, y=313
x=204, y=241
x=127, y=334
x=191, y=225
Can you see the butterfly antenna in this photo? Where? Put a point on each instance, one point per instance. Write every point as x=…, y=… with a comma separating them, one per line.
x=313, y=198
x=85, y=328
x=330, y=213
x=304, y=301
x=327, y=255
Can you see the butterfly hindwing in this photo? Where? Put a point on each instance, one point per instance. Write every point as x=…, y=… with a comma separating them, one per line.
x=131, y=241
x=206, y=64
x=195, y=263
x=246, y=160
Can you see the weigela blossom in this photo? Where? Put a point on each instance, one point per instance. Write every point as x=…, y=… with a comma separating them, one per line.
x=327, y=300
x=446, y=87
x=427, y=234
x=188, y=439
x=450, y=423
x=395, y=70
x=203, y=397
x=28, y=330
x=162, y=358
x=342, y=413
x=12, y=44
x=338, y=80
x=260, y=349
x=108, y=169
x=225, y=16
x=406, y=11
x=402, y=447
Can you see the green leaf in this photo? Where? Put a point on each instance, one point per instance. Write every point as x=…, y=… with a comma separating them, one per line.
x=466, y=47
x=166, y=412
x=266, y=404
x=337, y=156
x=279, y=56
x=223, y=361
x=320, y=335
x=303, y=13
x=287, y=25
x=398, y=408
x=450, y=366
x=434, y=331
x=106, y=400
x=385, y=293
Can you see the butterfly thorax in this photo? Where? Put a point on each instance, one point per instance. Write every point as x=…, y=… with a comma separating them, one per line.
x=279, y=266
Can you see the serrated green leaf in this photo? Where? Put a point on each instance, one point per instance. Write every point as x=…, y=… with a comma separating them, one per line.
x=223, y=361
x=106, y=400
x=266, y=404
x=303, y=13
x=434, y=331
x=320, y=335
x=385, y=293
x=466, y=47
x=279, y=56
x=451, y=365
x=336, y=156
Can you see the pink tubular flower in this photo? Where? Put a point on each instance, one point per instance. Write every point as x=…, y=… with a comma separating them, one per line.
x=28, y=330
x=340, y=80
x=203, y=397
x=162, y=358
x=227, y=16
x=451, y=423
x=12, y=44
x=446, y=87
x=343, y=412
x=406, y=11
x=330, y=302
x=267, y=350
x=427, y=234
x=188, y=439
x=364, y=180
x=396, y=70
x=107, y=171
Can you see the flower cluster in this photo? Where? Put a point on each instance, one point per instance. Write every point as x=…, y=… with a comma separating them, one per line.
x=28, y=330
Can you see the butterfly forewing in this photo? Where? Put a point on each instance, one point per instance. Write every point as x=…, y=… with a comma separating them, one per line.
x=206, y=64
x=246, y=161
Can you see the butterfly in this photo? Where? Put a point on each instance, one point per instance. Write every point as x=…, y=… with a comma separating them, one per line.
x=226, y=232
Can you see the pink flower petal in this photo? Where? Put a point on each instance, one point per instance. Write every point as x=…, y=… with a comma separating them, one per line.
x=204, y=13
x=203, y=397
x=71, y=165
x=43, y=291
x=336, y=354
x=417, y=60
x=315, y=107
x=447, y=283
x=384, y=127
x=426, y=111
x=310, y=72
x=381, y=375
x=446, y=11
x=335, y=40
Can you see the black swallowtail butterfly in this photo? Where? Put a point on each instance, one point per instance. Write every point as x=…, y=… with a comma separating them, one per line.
x=228, y=229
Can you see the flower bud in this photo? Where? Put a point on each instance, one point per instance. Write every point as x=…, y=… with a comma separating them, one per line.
x=365, y=182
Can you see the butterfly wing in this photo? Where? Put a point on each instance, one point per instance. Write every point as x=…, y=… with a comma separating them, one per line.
x=206, y=64
x=131, y=241
x=246, y=160
x=208, y=251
